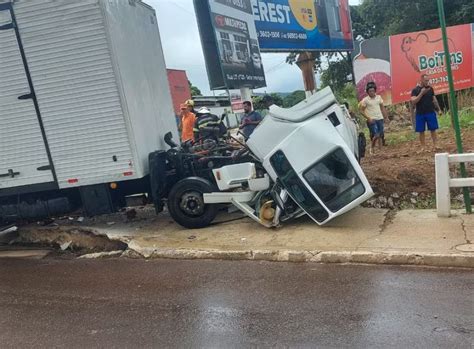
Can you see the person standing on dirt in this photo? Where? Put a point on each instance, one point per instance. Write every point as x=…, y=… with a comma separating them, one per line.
x=374, y=112
x=424, y=99
x=186, y=124
x=250, y=120
x=413, y=111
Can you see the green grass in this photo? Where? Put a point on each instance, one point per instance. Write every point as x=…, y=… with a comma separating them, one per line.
x=466, y=119
x=393, y=138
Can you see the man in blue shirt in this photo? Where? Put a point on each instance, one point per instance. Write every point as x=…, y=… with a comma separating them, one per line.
x=250, y=120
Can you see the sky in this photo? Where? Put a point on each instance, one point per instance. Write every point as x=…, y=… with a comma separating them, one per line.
x=182, y=49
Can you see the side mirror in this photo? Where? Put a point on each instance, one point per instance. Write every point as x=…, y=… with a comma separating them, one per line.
x=169, y=140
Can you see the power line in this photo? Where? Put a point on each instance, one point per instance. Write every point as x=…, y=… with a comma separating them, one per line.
x=181, y=7
x=275, y=67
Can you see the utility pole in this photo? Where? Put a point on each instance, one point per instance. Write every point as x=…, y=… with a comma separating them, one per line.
x=453, y=102
x=246, y=94
x=305, y=62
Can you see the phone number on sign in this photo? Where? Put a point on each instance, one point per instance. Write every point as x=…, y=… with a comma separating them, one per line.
x=295, y=36
x=438, y=80
x=269, y=34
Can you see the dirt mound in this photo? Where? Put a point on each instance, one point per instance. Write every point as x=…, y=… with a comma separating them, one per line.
x=404, y=173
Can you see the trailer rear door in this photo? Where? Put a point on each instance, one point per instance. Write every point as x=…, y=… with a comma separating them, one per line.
x=24, y=157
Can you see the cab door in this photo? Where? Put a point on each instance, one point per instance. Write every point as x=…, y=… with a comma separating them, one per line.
x=318, y=168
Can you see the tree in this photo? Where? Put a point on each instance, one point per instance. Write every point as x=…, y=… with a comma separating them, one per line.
x=360, y=27
x=195, y=91
x=335, y=76
x=277, y=99
x=259, y=103
x=294, y=98
x=375, y=18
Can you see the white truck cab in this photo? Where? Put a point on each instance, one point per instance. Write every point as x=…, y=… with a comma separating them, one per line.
x=312, y=150
x=310, y=154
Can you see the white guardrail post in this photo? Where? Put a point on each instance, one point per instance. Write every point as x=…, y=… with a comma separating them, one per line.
x=443, y=195
x=444, y=182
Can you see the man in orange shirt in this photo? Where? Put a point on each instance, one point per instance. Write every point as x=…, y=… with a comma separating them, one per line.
x=186, y=125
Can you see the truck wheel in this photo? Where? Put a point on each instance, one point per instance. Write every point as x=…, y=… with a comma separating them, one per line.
x=362, y=144
x=186, y=203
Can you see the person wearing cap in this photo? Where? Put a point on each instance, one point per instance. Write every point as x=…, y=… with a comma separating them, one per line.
x=374, y=112
x=186, y=124
x=190, y=103
x=207, y=125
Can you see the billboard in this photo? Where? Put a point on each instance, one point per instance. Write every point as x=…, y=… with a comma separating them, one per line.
x=423, y=53
x=303, y=25
x=179, y=88
x=372, y=63
x=395, y=63
x=230, y=44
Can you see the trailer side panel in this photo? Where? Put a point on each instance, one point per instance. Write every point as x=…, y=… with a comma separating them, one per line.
x=23, y=154
x=141, y=70
x=71, y=66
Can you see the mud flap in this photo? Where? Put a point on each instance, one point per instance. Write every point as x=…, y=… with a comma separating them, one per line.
x=157, y=163
x=362, y=144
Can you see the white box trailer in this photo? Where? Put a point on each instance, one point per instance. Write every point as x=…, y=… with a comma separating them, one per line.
x=84, y=96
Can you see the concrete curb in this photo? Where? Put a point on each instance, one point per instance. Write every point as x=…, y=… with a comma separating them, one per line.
x=458, y=260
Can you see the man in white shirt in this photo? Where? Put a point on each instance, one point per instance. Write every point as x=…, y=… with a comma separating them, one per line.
x=374, y=111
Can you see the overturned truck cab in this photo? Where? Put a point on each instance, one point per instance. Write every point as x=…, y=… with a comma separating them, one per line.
x=306, y=163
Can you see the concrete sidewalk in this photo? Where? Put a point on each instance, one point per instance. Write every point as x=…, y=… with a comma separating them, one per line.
x=416, y=237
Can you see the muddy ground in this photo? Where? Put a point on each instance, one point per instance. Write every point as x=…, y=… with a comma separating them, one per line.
x=403, y=176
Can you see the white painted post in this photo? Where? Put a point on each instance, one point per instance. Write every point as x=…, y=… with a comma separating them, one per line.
x=443, y=195
x=246, y=94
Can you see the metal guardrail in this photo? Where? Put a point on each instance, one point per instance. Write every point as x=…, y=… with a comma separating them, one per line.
x=444, y=182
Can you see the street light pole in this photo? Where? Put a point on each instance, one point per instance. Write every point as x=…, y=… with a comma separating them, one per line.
x=452, y=101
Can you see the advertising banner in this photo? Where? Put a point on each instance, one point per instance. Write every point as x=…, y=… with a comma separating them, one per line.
x=396, y=63
x=372, y=63
x=230, y=44
x=237, y=105
x=179, y=88
x=423, y=53
x=303, y=25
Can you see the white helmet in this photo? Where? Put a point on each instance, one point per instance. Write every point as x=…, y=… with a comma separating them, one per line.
x=204, y=110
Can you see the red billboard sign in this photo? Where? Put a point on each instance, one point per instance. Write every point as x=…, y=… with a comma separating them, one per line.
x=395, y=63
x=179, y=87
x=419, y=53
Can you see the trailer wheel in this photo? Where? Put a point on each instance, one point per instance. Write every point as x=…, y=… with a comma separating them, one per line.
x=186, y=203
x=362, y=144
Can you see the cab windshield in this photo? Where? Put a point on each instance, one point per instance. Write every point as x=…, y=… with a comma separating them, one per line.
x=334, y=180
x=296, y=188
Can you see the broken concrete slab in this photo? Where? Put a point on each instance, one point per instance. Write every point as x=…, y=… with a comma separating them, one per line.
x=416, y=237
x=24, y=253
x=69, y=237
x=100, y=255
x=8, y=234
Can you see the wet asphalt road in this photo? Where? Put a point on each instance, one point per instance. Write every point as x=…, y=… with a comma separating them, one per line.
x=165, y=303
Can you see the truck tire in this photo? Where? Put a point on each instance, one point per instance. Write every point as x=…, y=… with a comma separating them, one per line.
x=362, y=144
x=186, y=203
